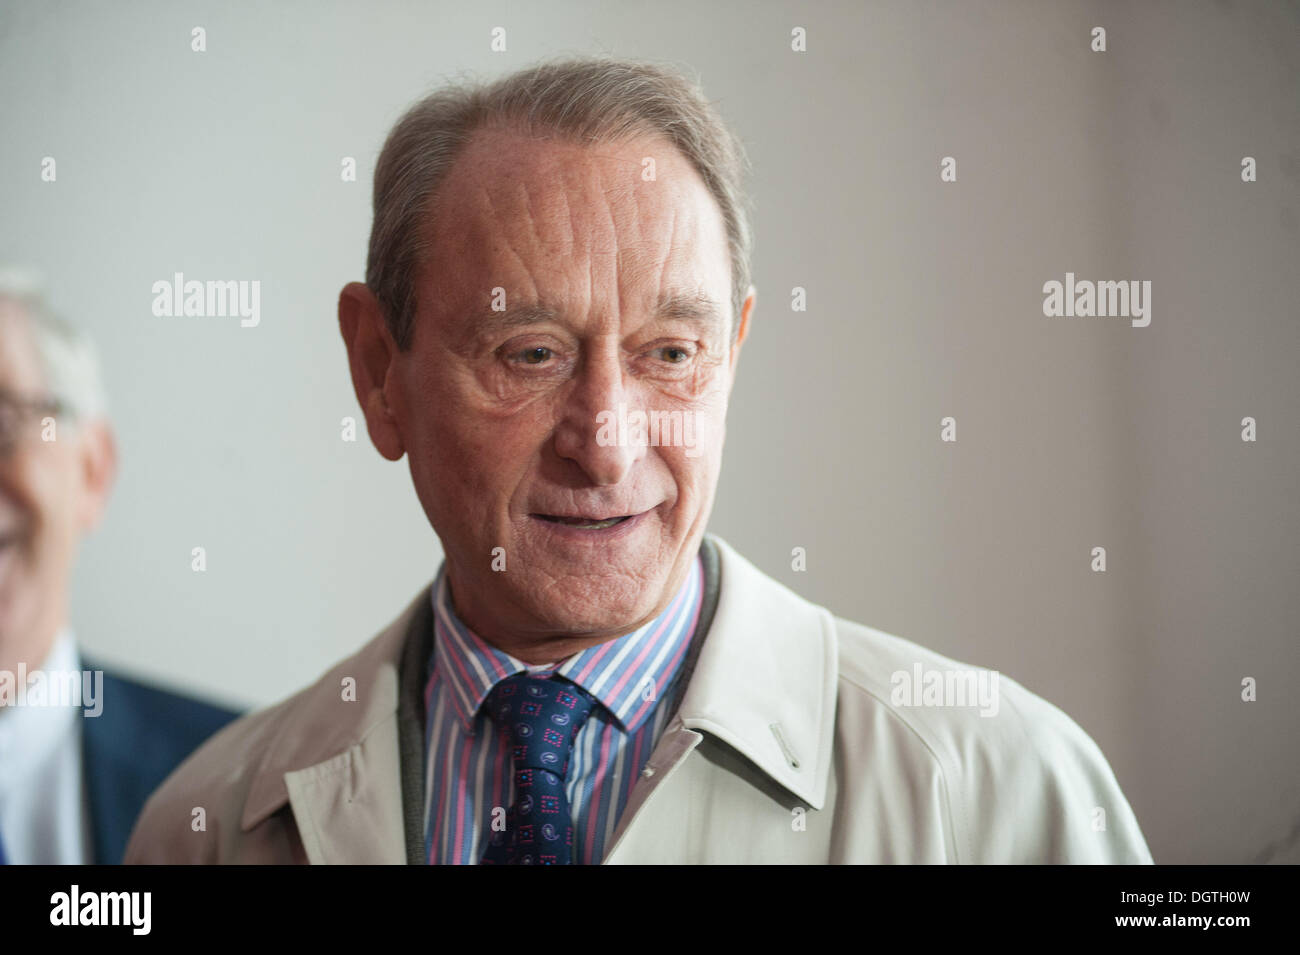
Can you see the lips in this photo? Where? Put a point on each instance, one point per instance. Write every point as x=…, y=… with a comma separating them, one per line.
x=586, y=522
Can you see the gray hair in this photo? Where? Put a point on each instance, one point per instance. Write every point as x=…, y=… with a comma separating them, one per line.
x=66, y=355
x=588, y=100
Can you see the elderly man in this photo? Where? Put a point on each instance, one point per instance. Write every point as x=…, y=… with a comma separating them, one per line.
x=555, y=302
x=80, y=750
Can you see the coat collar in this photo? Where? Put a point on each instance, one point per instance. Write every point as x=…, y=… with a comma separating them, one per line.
x=764, y=683
x=320, y=725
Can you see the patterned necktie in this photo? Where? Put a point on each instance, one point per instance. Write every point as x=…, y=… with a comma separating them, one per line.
x=541, y=717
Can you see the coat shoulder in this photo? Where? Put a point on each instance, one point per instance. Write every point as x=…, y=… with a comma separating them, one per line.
x=1021, y=780
x=197, y=805
x=237, y=777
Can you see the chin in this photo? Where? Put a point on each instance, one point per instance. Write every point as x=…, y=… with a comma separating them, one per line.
x=595, y=605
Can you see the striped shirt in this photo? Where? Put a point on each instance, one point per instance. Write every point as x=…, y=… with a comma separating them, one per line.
x=468, y=771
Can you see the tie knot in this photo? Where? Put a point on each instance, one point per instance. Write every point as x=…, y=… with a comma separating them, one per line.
x=541, y=715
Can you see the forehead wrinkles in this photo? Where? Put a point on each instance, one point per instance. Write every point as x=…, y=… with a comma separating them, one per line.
x=530, y=207
x=570, y=208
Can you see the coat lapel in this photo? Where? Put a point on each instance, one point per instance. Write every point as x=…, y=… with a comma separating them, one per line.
x=347, y=808
x=335, y=760
x=764, y=685
x=766, y=679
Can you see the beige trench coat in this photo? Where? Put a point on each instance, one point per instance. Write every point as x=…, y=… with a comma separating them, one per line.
x=791, y=744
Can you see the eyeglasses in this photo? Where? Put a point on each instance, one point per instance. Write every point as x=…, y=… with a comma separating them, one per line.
x=16, y=411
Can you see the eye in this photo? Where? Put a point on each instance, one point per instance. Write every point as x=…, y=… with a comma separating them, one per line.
x=674, y=355
x=534, y=356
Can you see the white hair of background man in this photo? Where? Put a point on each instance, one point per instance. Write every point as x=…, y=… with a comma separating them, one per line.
x=66, y=354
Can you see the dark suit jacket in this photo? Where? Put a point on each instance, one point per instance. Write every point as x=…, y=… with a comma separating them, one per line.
x=142, y=734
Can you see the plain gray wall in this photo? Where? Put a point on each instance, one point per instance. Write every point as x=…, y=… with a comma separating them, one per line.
x=924, y=301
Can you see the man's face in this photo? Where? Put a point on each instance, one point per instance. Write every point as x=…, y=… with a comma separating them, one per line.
x=501, y=412
x=45, y=502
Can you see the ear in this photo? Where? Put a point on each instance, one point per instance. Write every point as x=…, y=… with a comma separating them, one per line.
x=746, y=310
x=97, y=468
x=371, y=354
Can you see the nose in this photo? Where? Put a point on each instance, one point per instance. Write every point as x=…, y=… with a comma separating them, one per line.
x=593, y=430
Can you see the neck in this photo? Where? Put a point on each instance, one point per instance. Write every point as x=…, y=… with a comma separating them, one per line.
x=537, y=650
x=536, y=647
x=31, y=648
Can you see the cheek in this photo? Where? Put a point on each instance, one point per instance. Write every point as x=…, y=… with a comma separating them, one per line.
x=437, y=433
x=699, y=465
x=694, y=470
x=41, y=487
x=710, y=419
x=475, y=464
x=15, y=495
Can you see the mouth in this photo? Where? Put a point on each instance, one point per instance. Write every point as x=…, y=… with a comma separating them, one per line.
x=585, y=523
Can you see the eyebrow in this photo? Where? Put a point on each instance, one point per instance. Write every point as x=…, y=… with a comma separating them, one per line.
x=693, y=307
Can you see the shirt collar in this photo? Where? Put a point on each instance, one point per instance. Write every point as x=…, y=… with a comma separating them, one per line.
x=30, y=734
x=627, y=675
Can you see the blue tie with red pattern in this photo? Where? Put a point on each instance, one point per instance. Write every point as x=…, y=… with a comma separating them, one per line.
x=541, y=716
